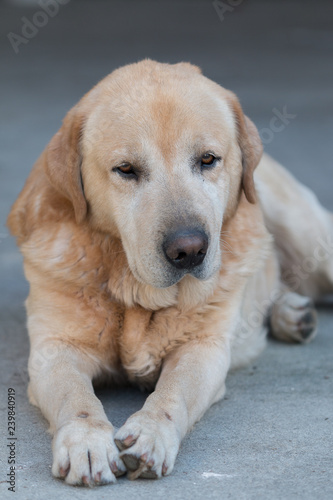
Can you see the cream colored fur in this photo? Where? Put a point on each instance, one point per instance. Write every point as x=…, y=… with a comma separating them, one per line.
x=105, y=304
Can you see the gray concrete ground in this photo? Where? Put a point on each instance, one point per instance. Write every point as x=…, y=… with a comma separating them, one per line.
x=272, y=436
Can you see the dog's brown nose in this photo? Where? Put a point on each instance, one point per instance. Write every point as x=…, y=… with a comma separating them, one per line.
x=186, y=248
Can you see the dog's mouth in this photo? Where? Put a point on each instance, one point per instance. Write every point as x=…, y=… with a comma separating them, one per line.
x=167, y=275
x=185, y=252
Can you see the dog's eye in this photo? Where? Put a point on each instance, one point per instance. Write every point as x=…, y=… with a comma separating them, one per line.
x=208, y=159
x=126, y=170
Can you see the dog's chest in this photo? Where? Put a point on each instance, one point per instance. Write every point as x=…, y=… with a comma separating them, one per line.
x=141, y=363
x=147, y=337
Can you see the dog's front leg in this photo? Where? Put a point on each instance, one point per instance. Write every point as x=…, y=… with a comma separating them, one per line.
x=60, y=384
x=192, y=379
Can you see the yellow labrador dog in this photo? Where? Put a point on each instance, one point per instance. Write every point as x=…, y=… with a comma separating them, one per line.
x=155, y=256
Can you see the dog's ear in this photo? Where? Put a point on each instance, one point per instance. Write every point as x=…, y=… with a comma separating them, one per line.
x=63, y=162
x=251, y=147
x=188, y=67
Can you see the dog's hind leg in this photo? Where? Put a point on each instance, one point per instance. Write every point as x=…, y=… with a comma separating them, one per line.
x=302, y=228
x=293, y=318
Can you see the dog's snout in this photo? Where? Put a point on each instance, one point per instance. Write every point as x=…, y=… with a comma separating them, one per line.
x=186, y=248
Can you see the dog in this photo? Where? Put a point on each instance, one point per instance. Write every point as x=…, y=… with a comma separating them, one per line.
x=160, y=245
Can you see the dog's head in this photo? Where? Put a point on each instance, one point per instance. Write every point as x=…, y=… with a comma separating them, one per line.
x=157, y=155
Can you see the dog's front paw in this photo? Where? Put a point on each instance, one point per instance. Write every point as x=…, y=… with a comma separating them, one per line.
x=84, y=453
x=148, y=444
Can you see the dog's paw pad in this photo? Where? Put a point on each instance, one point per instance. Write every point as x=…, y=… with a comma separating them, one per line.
x=131, y=461
x=307, y=324
x=148, y=446
x=139, y=466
